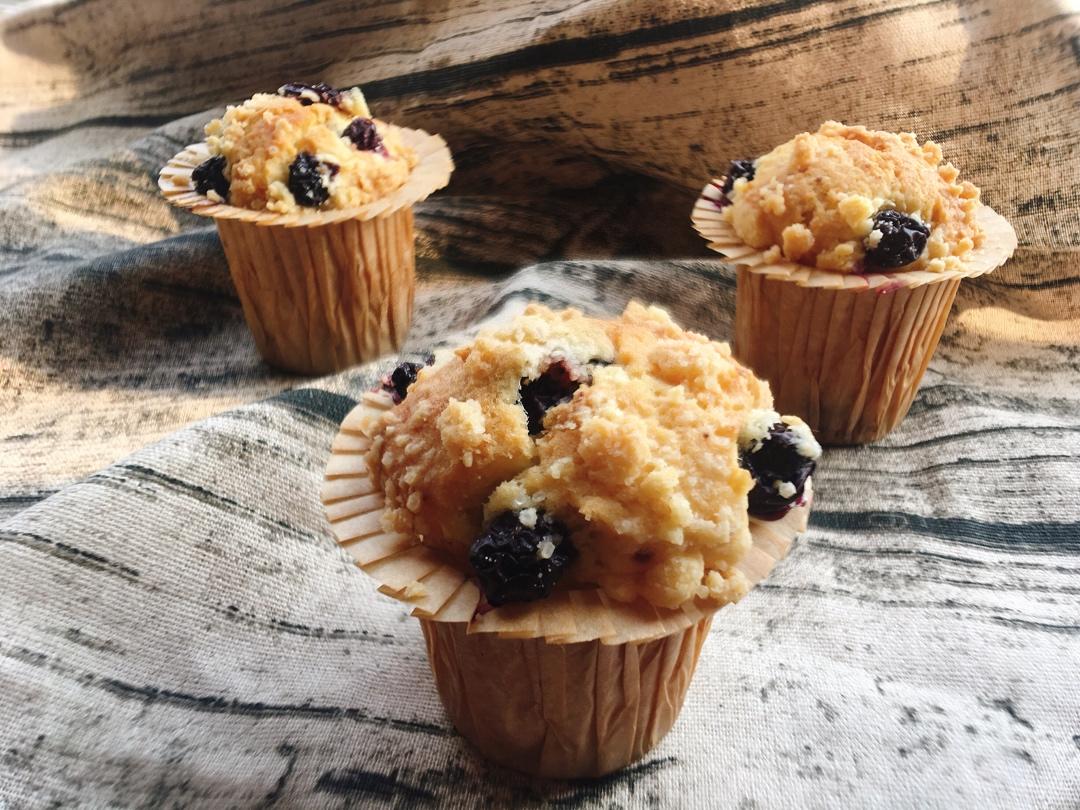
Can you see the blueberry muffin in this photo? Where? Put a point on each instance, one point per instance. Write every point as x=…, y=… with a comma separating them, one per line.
x=852, y=200
x=815, y=225
x=567, y=451
x=307, y=146
x=313, y=200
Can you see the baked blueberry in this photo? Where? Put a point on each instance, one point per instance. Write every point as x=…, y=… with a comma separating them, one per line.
x=362, y=134
x=210, y=176
x=780, y=465
x=737, y=169
x=556, y=384
x=520, y=556
x=307, y=179
x=895, y=240
x=308, y=94
x=397, y=382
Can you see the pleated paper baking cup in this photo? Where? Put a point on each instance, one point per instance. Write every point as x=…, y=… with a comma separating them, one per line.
x=562, y=711
x=849, y=364
x=573, y=685
x=321, y=290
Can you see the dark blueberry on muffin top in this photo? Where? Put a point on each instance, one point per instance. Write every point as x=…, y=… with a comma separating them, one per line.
x=308, y=94
x=895, y=240
x=210, y=176
x=520, y=556
x=397, y=382
x=737, y=169
x=556, y=384
x=308, y=178
x=362, y=134
x=780, y=458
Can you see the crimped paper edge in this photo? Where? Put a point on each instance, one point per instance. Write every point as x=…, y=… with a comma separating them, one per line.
x=998, y=246
x=421, y=577
x=431, y=173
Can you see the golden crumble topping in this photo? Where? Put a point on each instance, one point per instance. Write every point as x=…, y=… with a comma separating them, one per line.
x=813, y=199
x=641, y=463
x=261, y=138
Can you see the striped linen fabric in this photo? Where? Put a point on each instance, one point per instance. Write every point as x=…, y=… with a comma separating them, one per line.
x=178, y=627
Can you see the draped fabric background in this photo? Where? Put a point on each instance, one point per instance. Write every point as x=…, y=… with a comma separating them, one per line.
x=177, y=626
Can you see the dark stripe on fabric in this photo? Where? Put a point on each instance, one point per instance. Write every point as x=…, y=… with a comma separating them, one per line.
x=28, y=137
x=573, y=51
x=1029, y=286
x=183, y=291
x=877, y=551
x=1035, y=537
x=671, y=65
x=1029, y=624
x=22, y=501
x=593, y=792
x=1041, y=97
x=954, y=607
x=316, y=402
x=1053, y=432
x=235, y=614
x=138, y=472
x=215, y=704
x=960, y=464
x=69, y=553
x=356, y=783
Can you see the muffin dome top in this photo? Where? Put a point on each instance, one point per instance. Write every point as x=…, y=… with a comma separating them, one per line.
x=308, y=146
x=608, y=450
x=849, y=199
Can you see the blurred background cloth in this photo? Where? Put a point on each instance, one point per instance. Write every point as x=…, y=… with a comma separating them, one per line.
x=178, y=627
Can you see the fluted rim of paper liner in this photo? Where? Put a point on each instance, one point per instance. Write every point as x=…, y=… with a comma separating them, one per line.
x=432, y=172
x=421, y=577
x=998, y=245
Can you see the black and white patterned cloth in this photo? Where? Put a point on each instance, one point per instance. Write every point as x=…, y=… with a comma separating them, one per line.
x=177, y=627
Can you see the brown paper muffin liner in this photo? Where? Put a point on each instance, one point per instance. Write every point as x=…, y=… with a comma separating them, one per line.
x=849, y=365
x=575, y=685
x=321, y=290
x=562, y=711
